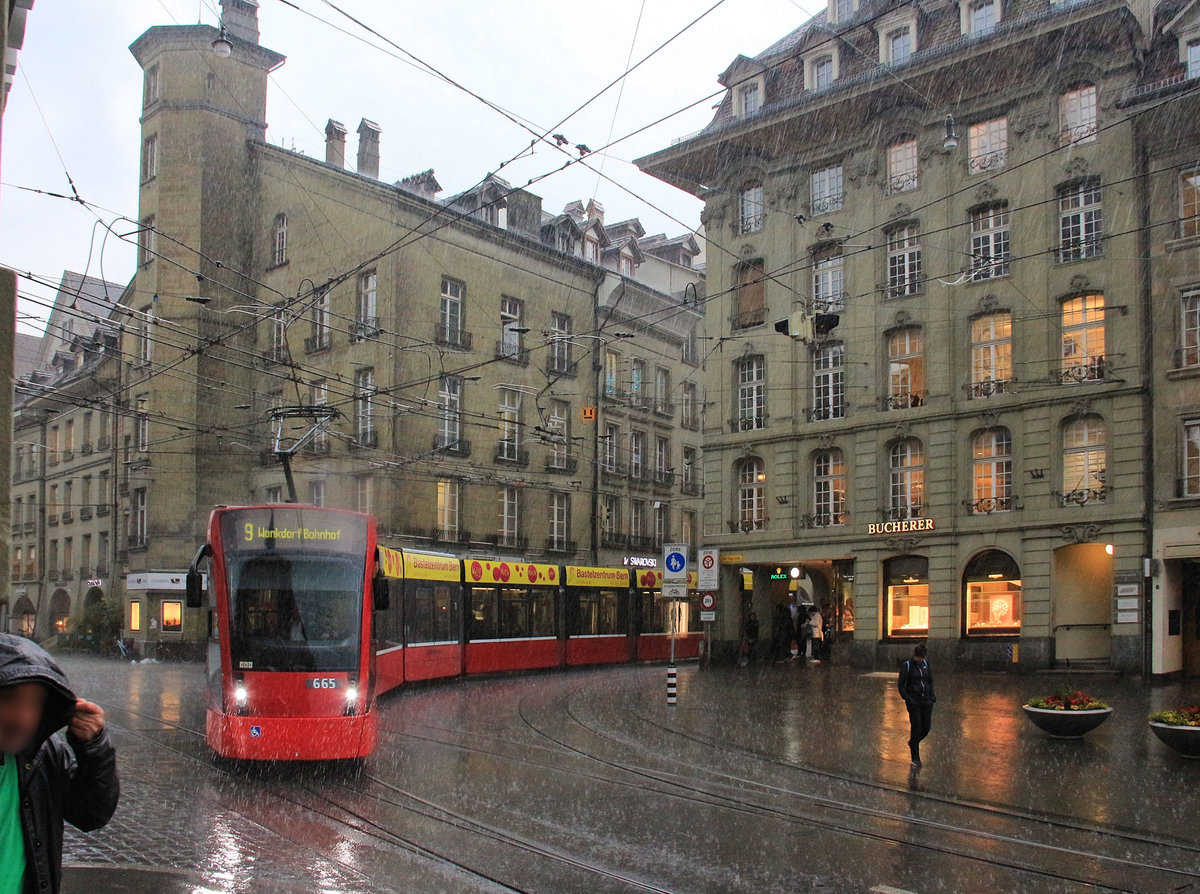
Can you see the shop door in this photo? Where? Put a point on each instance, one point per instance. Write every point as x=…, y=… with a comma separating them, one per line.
x=1190, y=591
x=1082, y=603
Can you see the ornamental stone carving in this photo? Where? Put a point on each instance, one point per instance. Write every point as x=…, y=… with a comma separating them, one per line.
x=1080, y=533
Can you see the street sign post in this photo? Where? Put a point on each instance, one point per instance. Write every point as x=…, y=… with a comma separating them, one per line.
x=710, y=567
x=674, y=589
x=675, y=561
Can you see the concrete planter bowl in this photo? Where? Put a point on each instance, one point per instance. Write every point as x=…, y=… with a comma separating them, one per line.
x=1183, y=739
x=1066, y=724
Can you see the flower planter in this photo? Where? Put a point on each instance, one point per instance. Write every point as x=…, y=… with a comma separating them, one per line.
x=1066, y=724
x=1184, y=739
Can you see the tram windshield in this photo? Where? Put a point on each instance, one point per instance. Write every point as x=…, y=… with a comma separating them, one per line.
x=295, y=577
x=295, y=613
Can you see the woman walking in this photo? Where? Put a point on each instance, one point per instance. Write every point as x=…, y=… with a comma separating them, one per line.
x=916, y=688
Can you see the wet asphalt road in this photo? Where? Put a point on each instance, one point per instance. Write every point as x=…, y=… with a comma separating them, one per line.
x=761, y=779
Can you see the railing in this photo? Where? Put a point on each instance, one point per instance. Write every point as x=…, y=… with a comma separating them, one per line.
x=561, y=366
x=453, y=337
x=365, y=440
x=987, y=161
x=613, y=469
x=751, y=223
x=363, y=328
x=1079, y=134
x=1080, y=249
x=52, y=519
x=898, y=513
x=322, y=341
x=85, y=449
x=820, y=414
x=903, y=401
x=85, y=513
x=439, y=534
x=560, y=545
x=508, y=541
x=827, y=204
x=746, y=525
x=67, y=516
x=102, y=443
x=664, y=478
x=567, y=464
x=1090, y=370
x=690, y=488
x=512, y=354
x=30, y=527
x=102, y=509
x=690, y=421
x=900, y=183
x=823, y=519
x=639, y=475
x=613, y=540
x=988, y=505
x=615, y=394
x=1131, y=93
x=508, y=452
x=1080, y=496
x=987, y=388
x=454, y=446
x=747, y=423
x=663, y=408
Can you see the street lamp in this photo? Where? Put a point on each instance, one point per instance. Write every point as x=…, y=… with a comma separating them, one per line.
x=223, y=46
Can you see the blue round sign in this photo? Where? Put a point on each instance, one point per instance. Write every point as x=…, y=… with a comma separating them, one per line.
x=676, y=562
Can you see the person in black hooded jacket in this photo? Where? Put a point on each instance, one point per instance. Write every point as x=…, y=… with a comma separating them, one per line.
x=916, y=688
x=45, y=779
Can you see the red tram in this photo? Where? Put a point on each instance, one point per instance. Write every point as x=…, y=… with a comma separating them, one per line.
x=310, y=620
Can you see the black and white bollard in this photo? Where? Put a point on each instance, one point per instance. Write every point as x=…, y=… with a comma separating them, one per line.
x=671, y=688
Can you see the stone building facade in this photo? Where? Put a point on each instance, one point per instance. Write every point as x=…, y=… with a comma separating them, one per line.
x=971, y=419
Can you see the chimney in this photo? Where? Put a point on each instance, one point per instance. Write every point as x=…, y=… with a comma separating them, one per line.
x=594, y=210
x=368, y=149
x=240, y=19
x=335, y=143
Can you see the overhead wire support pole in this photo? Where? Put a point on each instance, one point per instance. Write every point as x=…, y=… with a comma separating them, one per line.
x=287, y=444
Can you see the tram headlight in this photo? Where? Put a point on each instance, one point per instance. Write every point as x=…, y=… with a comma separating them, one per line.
x=240, y=697
x=351, y=699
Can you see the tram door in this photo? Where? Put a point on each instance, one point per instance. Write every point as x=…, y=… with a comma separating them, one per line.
x=1190, y=591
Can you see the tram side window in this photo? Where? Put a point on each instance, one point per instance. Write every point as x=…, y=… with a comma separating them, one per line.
x=654, y=614
x=512, y=613
x=597, y=613
x=429, y=615
x=484, y=614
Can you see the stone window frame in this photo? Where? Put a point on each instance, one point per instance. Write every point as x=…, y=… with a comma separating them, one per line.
x=888, y=25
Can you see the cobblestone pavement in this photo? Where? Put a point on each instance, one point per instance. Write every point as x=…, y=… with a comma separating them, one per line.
x=761, y=779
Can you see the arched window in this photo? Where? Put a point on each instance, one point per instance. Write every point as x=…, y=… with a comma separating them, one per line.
x=750, y=207
x=1084, y=458
x=279, y=252
x=1077, y=115
x=991, y=453
x=751, y=506
x=829, y=488
x=906, y=498
x=907, y=581
x=992, y=594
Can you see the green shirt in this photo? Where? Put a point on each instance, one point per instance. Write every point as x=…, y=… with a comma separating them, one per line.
x=12, y=841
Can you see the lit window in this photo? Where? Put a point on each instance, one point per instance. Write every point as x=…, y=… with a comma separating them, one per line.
x=1083, y=339
x=826, y=191
x=990, y=242
x=172, y=616
x=901, y=167
x=991, y=453
x=992, y=582
x=907, y=582
x=988, y=145
x=991, y=354
x=751, y=505
x=906, y=369
x=135, y=616
x=1080, y=222
x=612, y=369
x=1077, y=116
x=1083, y=461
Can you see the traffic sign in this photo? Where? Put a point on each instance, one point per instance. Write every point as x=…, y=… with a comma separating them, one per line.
x=675, y=561
x=710, y=569
x=707, y=616
x=674, y=589
x=708, y=601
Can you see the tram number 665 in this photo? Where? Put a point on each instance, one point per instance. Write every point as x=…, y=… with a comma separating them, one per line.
x=321, y=683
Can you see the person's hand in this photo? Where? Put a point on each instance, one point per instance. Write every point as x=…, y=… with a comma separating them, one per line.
x=87, y=722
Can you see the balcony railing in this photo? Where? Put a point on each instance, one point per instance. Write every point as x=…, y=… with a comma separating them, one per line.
x=322, y=341
x=826, y=204
x=508, y=541
x=1090, y=370
x=988, y=388
x=747, y=423
x=900, y=183
x=85, y=449
x=30, y=527
x=613, y=469
x=1080, y=134
x=565, y=464
x=903, y=401
x=644, y=542
x=364, y=328
x=52, y=519
x=454, y=337
x=85, y=513
x=102, y=509
x=102, y=443
x=560, y=545
x=899, y=513
x=453, y=446
x=1080, y=496
x=690, y=421
x=509, y=452
x=690, y=488
x=1079, y=249
x=987, y=161
x=815, y=520
x=562, y=366
x=438, y=534
x=664, y=478
x=664, y=408
x=613, y=540
x=639, y=476
x=746, y=525
x=67, y=516
x=614, y=394
x=988, y=505
x=821, y=414
x=751, y=223
x=511, y=353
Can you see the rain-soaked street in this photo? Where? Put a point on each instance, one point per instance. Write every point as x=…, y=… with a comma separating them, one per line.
x=769, y=778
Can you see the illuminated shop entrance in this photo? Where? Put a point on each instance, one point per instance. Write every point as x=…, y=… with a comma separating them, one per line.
x=907, y=581
x=992, y=589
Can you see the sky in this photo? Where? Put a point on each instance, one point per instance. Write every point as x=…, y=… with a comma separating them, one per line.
x=76, y=98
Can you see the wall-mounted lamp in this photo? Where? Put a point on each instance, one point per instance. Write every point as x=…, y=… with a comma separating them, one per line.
x=950, y=140
x=1108, y=548
x=223, y=46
